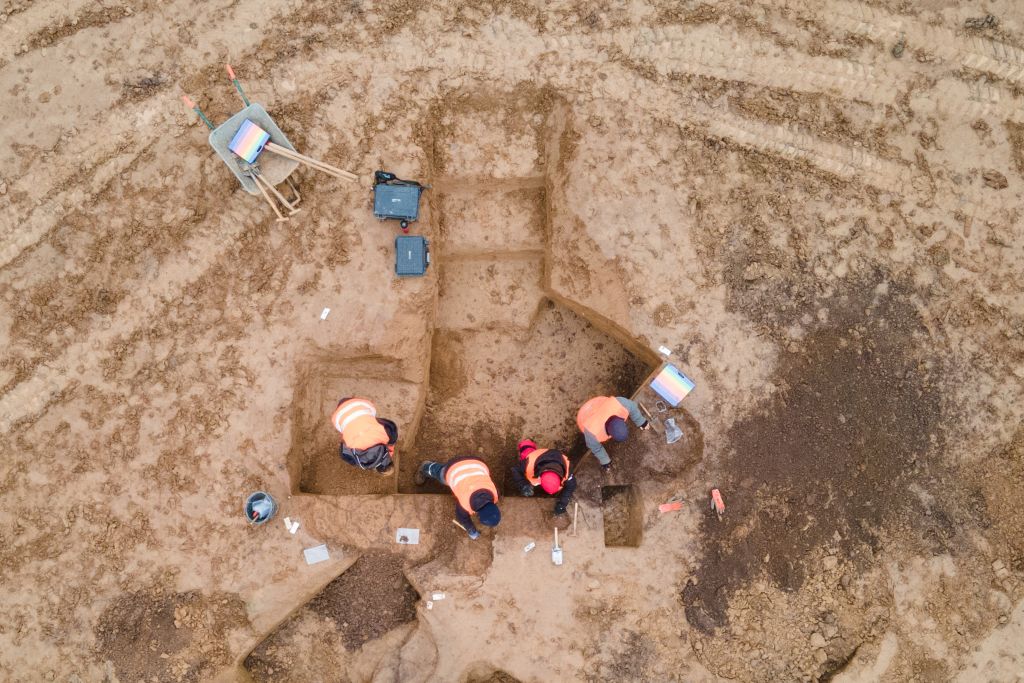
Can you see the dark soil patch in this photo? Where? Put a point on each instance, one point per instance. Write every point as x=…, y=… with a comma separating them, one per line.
x=830, y=458
x=492, y=677
x=368, y=600
x=623, y=516
x=1015, y=133
x=144, y=87
x=631, y=662
x=145, y=635
x=70, y=26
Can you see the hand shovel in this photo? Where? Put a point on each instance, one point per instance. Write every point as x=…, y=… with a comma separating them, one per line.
x=556, y=552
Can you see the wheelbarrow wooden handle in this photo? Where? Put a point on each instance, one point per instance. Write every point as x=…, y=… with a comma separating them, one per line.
x=310, y=161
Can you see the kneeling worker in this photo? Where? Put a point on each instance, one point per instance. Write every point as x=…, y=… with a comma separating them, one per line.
x=603, y=418
x=470, y=482
x=547, y=468
x=367, y=441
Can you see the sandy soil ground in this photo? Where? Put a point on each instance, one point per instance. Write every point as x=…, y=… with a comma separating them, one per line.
x=816, y=206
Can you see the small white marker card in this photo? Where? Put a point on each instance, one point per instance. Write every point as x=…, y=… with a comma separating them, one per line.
x=323, y=314
x=316, y=554
x=407, y=536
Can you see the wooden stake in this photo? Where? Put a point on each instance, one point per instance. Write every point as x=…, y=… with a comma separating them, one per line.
x=310, y=161
x=575, y=511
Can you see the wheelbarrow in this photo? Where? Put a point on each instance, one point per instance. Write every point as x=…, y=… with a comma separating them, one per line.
x=241, y=142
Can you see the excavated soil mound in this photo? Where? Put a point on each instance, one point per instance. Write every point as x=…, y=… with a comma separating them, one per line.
x=646, y=456
x=369, y=603
x=143, y=634
x=371, y=600
x=368, y=600
x=494, y=677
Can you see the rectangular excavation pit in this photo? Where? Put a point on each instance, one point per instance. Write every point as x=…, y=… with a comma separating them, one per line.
x=490, y=217
x=313, y=460
x=490, y=291
x=482, y=136
x=507, y=363
x=491, y=387
x=623, y=514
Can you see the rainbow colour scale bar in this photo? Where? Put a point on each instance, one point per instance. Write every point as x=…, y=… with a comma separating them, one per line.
x=672, y=385
x=249, y=141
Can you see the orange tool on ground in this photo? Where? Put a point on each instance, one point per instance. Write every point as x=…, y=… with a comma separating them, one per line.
x=670, y=507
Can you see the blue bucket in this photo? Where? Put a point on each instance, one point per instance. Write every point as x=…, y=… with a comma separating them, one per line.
x=260, y=508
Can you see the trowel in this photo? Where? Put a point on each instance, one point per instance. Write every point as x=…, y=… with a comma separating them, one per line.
x=556, y=552
x=650, y=418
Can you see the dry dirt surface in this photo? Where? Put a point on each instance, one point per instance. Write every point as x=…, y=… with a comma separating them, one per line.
x=815, y=205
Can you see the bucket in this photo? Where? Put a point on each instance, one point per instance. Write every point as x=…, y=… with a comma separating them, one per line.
x=260, y=508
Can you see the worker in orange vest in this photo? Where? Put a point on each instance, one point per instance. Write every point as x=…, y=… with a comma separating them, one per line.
x=367, y=441
x=547, y=468
x=471, y=484
x=603, y=418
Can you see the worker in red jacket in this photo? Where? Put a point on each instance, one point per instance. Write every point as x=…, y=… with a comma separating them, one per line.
x=603, y=418
x=367, y=441
x=471, y=484
x=547, y=468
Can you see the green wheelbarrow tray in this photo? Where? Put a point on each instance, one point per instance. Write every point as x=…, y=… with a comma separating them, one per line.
x=274, y=168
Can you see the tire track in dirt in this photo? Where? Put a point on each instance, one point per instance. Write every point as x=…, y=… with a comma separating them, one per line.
x=975, y=99
x=717, y=53
x=111, y=139
x=21, y=26
x=793, y=143
x=465, y=58
x=30, y=398
x=32, y=220
x=975, y=52
x=82, y=359
x=790, y=142
x=956, y=98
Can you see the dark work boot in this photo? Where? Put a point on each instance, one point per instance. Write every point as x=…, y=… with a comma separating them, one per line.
x=420, y=478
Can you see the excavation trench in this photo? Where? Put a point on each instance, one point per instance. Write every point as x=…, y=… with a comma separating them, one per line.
x=509, y=358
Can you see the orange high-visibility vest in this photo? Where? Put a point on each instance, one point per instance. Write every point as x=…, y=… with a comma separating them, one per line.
x=356, y=419
x=596, y=412
x=531, y=463
x=466, y=477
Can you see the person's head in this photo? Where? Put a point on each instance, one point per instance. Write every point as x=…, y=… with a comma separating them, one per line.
x=550, y=481
x=525, y=446
x=489, y=514
x=616, y=428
